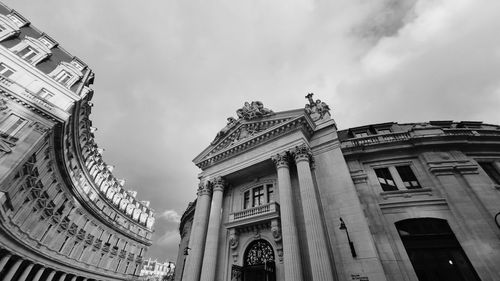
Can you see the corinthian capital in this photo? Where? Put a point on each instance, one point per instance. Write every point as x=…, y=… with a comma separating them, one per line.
x=302, y=153
x=204, y=188
x=281, y=159
x=219, y=184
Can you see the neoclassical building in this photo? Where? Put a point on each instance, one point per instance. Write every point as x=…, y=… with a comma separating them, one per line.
x=288, y=196
x=63, y=215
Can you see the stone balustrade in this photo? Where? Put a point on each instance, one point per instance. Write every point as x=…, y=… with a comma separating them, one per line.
x=255, y=211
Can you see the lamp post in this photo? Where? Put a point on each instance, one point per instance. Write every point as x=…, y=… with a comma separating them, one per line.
x=351, y=244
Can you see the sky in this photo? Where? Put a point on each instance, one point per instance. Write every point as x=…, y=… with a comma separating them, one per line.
x=169, y=73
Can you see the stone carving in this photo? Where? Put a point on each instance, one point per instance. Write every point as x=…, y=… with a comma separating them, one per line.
x=281, y=159
x=219, y=183
x=204, y=188
x=234, y=241
x=3, y=105
x=317, y=109
x=276, y=231
x=253, y=110
x=301, y=153
x=231, y=122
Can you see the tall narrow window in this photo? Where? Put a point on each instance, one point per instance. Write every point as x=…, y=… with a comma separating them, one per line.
x=246, y=200
x=408, y=177
x=12, y=125
x=5, y=70
x=385, y=179
x=258, y=196
x=27, y=53
x=491, y=171
x=270, y=193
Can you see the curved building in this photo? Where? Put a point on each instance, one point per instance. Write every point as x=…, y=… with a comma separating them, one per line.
x=287, y=196
x=63, y=215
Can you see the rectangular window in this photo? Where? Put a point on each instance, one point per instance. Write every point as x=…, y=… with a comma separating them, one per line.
x=408, y=177
x=18, y=21
x=258, y=196
x=361, y=134
x=27, y=53
x=12, y=125
x=383, y=131
x=45, y=94
x=246, y=200
x=385, y=179
x=63, y=77
x=270, y=193
x=490, y=170
x=5, y=70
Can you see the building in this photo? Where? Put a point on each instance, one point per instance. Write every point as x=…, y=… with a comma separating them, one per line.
x=287, y=196
x=155, y=270
x=63, y=215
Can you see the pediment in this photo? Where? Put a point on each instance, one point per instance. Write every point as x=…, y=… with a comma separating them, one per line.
x=240, y=135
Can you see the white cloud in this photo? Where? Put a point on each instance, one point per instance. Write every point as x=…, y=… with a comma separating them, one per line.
x=169, y=238
x=171, y=216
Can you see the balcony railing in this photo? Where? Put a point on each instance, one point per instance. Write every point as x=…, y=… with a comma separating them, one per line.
x=261, y=210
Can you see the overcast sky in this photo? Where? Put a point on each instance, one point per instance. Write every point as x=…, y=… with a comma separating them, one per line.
x=169, y=73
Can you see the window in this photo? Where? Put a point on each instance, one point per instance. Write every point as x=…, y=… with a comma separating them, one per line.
x=383, y=131
x=5, y=70
x=63, y=77
x=408, y=177
x=45, y=94
x=385, y=179
x=490, y=170
x=27, y=53
x=361, y=134
x=48, y=42
x=399, y=177
x=12, y=125
x=257, y=196
x=17, y=20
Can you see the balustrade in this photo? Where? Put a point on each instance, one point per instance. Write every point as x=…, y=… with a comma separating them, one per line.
x=255, y=211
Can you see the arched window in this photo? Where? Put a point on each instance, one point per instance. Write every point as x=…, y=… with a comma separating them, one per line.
x=258, y=263
x=259, y=252
x=434, y=251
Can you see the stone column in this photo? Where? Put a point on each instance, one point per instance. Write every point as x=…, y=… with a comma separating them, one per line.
x=4, y=260
x=12, y=270
x=321, y=268
x=73, y=278
x=38, y=274
x=26, y=271
x=198, y=233
x=62, y=277
x=51, y=275
x=212, y=241
x=291, y=251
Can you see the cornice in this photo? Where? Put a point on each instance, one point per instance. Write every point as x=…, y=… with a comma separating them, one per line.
x=296, y=123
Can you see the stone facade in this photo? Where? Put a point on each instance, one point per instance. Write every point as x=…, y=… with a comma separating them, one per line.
x=286, y=196
x=63, y=215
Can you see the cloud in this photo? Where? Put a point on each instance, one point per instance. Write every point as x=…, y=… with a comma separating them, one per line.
x=169, y=238
x=171, y=216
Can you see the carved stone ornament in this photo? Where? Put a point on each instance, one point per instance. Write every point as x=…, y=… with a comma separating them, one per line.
x=253, y=110
x=204, y=188
x=318, y=110
x=234, y=241
x=219, y=183
x=281, y=159
x=231, y=122
x=276, y=231
x=302, y=153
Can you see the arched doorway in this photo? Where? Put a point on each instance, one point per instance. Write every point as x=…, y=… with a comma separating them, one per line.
x=434, y=251
x=258, y=262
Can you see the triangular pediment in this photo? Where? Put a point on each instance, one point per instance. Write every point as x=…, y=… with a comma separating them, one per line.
x=241, y=135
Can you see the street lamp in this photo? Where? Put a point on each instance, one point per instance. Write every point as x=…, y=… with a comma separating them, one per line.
x=351, y=244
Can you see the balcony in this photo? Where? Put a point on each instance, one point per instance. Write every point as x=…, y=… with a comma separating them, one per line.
x=254, y=215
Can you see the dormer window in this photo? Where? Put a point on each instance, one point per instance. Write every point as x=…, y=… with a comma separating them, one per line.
x=47, y=41
x=27, y=53
x=63, y=77
x=383, y=131
x=5, y=70
x=361, y=134
x=66, y=74
x=31, y=50
x=78, y=64
x=8, y=28
x=17, y=19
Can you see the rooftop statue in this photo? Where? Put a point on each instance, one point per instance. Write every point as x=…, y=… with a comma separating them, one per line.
x=253, y=110
x=317, y=110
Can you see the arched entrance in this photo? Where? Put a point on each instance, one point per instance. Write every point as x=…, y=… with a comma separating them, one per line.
x=258, y=262
x=434, y=251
